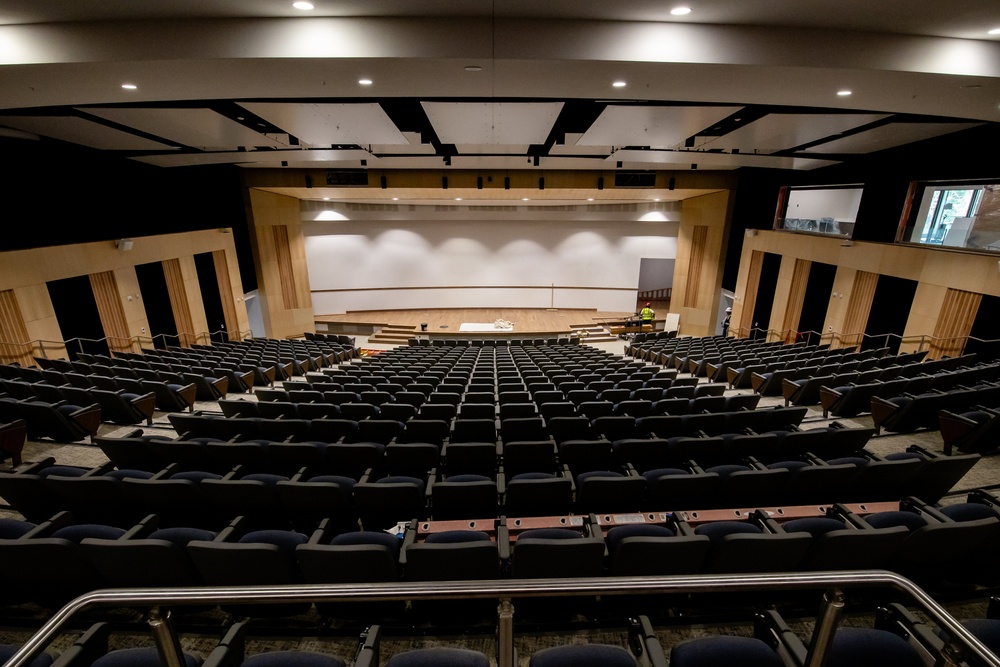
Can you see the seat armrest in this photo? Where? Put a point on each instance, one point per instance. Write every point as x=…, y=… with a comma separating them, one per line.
x=367, y=654
x=91, y=645
x=143, y=529
x=320, y=533
x=231, y=649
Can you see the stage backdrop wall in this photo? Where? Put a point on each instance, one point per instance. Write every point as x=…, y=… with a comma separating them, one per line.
x=465, y=257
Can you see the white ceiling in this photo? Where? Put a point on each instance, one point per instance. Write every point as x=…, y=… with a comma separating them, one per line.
x=497, y=84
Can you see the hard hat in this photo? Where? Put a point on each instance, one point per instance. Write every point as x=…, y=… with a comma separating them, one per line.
x=729, y=310
x=647, y=303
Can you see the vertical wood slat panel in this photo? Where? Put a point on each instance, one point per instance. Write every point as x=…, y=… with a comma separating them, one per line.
x=696, y=260
x=750, y=298
x=286, y=271
x=954, y=323
x=178, y=301
x=796, y=297
x=226, y=294
x=111, y=311
x=13, y=332
x=858, y=308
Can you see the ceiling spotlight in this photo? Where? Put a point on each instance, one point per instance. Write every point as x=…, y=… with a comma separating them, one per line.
x=326, y=199
x=458, y=199
x=304, y=6
x=590, y=199
x=619, y=84
x=843, y=93
x=365, y=82
x=395, y=199
x=680, y=11
x=129, y=86
x=524, y=199
x=473, y=68
x=995, y=31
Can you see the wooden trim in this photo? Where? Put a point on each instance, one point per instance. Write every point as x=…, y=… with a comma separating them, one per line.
x=178, y=301
x=796, y=297
x=858, y=308
x=111, y=311
x=696, y=261
x=438, y=287
x=286, y=272
x=782, y=203
x=954, y=323
x=226, y=294
x=13, y=332
x=750, y=296
x=911, y=197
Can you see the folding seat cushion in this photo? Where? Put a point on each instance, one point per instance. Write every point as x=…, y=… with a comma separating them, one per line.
x=582, y=655
x=7, y=652
x=464, y=496
x=742, y=546
x=608, y=491
x=986, y=630
x=557, y=552
x=386, y=501
x=292, y=659
x=649, y=550
x=439, y=656
x=453, y=555
x=138, y=657
x=723, y=650
x=867, y=647
x=11, y=529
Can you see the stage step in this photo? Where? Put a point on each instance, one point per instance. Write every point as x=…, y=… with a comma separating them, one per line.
x=593, y=333
x=393, y=334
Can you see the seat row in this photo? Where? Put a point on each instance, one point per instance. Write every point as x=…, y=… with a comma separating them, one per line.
x=60, y=558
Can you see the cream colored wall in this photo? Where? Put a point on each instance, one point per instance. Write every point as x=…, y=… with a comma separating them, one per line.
x=27, y=271
x=934, y=270
x=713, y=211
x=267, y=210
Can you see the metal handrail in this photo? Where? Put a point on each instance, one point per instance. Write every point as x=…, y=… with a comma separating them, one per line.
x=504, y=591
x=134, y=340
x=923, y=340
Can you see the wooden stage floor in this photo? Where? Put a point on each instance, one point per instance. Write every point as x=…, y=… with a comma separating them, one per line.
x=448, y=320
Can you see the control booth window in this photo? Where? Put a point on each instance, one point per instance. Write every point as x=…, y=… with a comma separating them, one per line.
x=954, y=214
x=830, y=210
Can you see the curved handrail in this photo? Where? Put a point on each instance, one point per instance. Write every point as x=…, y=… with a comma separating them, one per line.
x=40, y=343
x=505, y=590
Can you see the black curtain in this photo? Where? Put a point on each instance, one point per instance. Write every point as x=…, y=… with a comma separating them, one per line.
x=208, y=282
x=816, y=301
x=77, y=315
x=156, y=301
x=890, y=310
x=765, y=295
x=984, y=327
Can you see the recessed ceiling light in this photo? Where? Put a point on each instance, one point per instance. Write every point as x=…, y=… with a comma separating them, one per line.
x=304, y=6
x=843, y=93
x=619, y=84
x=590, y=199
x=129, y=86
x=524, y=199
x=458, y=199
x=365, y=82
x=395, y=199
x=995, y=31
x=680, y=11
x=657, y=199
x=473, y=68
x=326, y=199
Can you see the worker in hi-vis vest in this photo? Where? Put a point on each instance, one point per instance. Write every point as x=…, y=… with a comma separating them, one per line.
x=647, y=315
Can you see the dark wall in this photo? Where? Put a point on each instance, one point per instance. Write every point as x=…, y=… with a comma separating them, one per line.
x=890, y=310
x=765, y=295
x=56, y=194
x=156, y=302
x=984, y=328
x=817, y=300
x=76, y=312
x=211, y=298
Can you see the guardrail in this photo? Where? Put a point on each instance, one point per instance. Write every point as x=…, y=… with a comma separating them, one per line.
x=922, y=341
x=962, y=643
x=41, y=347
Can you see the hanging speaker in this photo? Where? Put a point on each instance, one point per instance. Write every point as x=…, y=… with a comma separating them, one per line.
x=309, y=181
x=479, y=182
x=506, y=182
x=541, y=182
x=384, y=182
x=671, y=183
x=600, y=183
x=444, y=182
x=123, y=244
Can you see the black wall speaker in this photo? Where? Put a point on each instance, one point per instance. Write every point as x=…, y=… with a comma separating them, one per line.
x=444, y=182
x=600, y=183
x=479, y=182
x=541, y=182
x=506, y=182
x=671, y=183
x=309, y=181
x=384, y=182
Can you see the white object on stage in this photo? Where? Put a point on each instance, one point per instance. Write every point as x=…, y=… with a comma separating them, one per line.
x=482, y=327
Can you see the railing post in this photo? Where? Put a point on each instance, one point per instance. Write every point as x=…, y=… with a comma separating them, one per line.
x=505, y=633
x=830, y=611
x=167, y=643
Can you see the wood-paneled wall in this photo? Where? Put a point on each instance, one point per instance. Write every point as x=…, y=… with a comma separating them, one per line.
x=286, y=273
x=179, y=302
x=858, y=308
x=749, y=299
x=958, y=312
x=14, y=346
x=229, y=312
x=701, y=248
x=796, y=297
x=696, y=261
x=111, y=312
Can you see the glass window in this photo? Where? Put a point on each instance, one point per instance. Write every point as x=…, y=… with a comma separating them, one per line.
x=831, y=210
x=958, y=215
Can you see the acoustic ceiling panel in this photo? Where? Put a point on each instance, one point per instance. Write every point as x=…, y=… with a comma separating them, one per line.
x=633, y=159
x=198, y=128
x=492, y=122
x=413, y=146
x=571, y=146
x=326, y=124
x=82, y=131
x=781, y=131
x=656, y=127
x=887, y=136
